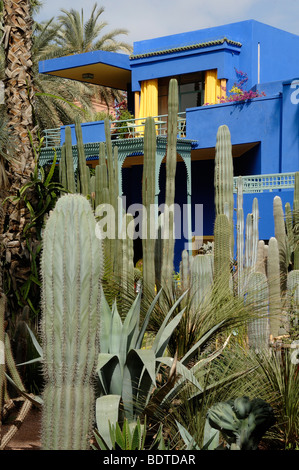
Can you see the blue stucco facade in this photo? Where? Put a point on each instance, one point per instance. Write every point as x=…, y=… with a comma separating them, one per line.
x=267, y=126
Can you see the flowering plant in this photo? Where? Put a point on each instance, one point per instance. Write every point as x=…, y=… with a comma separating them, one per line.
x=237, y=92
x=122, y=114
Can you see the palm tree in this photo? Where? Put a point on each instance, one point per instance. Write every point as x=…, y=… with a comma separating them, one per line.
x=79, y=36
x=55, y=96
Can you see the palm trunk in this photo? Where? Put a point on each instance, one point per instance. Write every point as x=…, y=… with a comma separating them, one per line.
x=18, y=80
x=19, y=94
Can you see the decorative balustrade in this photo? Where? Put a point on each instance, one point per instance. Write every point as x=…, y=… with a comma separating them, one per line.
x=270, y=182
x=122, y=129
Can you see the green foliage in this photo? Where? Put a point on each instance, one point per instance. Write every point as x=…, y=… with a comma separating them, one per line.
x=132, y=436
x=39, y=195
x=241, y=421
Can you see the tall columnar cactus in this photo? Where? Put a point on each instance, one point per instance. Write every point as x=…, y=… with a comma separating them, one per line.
x=185, y=270
x=83, y=174
x=273, y=273
x=260, y=262
x=255, y=230
x=69, y=161
x=293, y=295
x=201, y=279
x=281, y=237
x=113, y=189
x=223, y=178
x=171, y=160
x=257, y=299
x=101, y=183
x=148, y=200
x=292, y=225
x=127, y=277
x=71, y=269
x=222, y=272
x=240, y=235
x=296, y=221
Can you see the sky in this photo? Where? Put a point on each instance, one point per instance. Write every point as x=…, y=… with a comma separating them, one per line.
x=146, y=19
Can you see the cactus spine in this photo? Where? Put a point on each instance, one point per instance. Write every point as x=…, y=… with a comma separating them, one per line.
x=71, y=268
x=171, y=157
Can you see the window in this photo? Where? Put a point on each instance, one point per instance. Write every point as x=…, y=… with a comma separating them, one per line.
x=191, y=91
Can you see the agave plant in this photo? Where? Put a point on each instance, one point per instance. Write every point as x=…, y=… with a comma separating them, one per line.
x=128, y=372
x=129, y=437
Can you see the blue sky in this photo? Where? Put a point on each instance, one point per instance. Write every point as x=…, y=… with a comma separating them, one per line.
x=153, y=18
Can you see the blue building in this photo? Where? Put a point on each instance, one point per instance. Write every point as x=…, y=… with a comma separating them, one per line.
x=264, y=130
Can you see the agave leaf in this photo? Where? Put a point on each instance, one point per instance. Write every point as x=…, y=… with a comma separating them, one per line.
x=109, y=371
x=165, y=321
x=146, y=320
x=120, y=439
x=186, y=376
x=211, y=437
x=139, y=361
x=130, y=326
x=35, y=399
x=116, y=331
x=107, y=411
x=203, y=362
x=105, y=326
x=187, y=438
x=164, y=337
x=36, y=344
x=200, y=343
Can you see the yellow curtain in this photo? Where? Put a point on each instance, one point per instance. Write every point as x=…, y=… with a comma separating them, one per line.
x=214, y=87
x=149, y=98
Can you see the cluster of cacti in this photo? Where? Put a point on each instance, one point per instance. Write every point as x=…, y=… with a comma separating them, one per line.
x=257, y=279
x=71, y=268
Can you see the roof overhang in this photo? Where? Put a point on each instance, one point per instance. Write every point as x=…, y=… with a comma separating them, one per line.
x=111, y=69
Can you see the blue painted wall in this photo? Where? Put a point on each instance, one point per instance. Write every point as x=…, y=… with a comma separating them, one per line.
x=278, y=54
x=91, y=132
x=255, y=121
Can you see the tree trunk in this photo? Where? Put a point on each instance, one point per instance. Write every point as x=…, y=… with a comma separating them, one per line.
x=18, y=80
x=19, y=97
